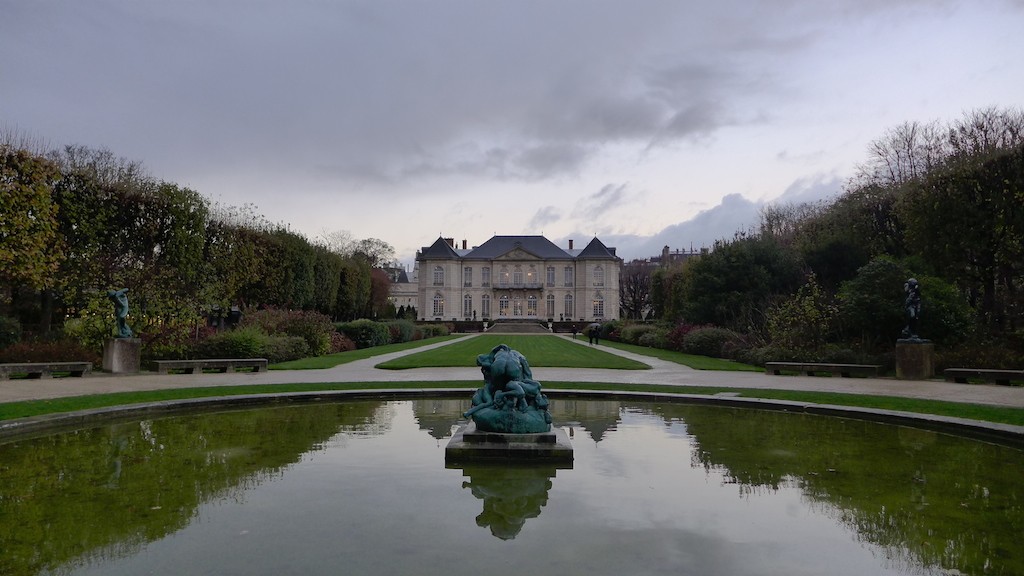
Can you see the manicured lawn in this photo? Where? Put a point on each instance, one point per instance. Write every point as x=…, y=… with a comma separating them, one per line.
x=332, y=360
x=1014, y=416
x=695, y=362
x=540, y=350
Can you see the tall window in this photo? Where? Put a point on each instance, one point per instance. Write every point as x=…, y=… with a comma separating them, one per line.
x=531, y=305
x=599, y=276
x=517, y=276
x=467, y=306
x=485, y=276
x=570, y=306
x=505, y=277
x=485, y=306
x=531, y=275
x=438, y=304
x=551, y=276
x=467, y=276
x=551, y=304
x=517, y=306
x=568, y=276
x=503, y=306
x=438, y=276
x=599, y=306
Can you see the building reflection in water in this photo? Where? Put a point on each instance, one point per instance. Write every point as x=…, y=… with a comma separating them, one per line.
x=596, y=417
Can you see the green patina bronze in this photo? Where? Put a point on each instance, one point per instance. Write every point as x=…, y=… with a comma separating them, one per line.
x=510, y=401
x=120, y=300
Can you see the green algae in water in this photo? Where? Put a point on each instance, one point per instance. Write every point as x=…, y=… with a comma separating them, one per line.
x=361, y=488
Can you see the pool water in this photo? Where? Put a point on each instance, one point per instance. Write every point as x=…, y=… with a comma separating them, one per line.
x=362, y=488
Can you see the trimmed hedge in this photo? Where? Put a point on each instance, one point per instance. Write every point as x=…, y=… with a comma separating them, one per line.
x=401, y=331
x=251, y=342
x=710, y=341
x=432, y=330
x=313, y=327
x=365, y=333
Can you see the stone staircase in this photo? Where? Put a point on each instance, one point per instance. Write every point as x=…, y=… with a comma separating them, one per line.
x=518, y=327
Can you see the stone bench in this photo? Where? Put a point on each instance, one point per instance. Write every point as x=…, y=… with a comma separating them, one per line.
x=812, y=368
x=961, y=375
x=218, y=364
x=44, y=369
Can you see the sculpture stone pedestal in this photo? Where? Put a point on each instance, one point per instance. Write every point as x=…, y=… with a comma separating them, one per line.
x=469, y=445
x=915, y=359
x=122, y=355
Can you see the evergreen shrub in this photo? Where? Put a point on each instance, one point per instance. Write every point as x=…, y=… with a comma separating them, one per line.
x=247, y=342
x=10, y=331
x=365, y=333
x=432, y=330
x=401, y=331
x=283, y=348
x=709, y=341
x=654, y=338
x=313, y=327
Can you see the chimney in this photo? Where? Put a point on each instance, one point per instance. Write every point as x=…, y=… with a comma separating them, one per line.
x=463, y=243
x=451, y=242
x=570, y=244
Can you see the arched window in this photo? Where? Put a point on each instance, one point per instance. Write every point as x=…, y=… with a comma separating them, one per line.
x=531, y=305
x=485, y=306
x=517, y=306
x=551, y=305
x=438, y=276
x=503, y=306
x=599, y=276
x=504, y=277
x=598, y=306
x=467, y=306
x=438, y=304
x=570, y=306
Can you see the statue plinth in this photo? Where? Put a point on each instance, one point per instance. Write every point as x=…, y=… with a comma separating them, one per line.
x=122, y=355
x=915, y=359
x=471, y=445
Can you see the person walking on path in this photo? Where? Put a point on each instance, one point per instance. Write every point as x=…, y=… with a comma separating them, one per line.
x=573, y=331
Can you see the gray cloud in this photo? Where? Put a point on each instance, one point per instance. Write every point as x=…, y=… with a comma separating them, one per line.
x=597, y=204
x=393, y=99
x=734, y=214
x=543, y=217
x=373, y=92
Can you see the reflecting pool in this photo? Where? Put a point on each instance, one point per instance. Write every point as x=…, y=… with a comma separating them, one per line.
x=362, y=488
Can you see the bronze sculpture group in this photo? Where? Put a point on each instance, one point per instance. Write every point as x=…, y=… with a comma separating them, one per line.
x=510, y=401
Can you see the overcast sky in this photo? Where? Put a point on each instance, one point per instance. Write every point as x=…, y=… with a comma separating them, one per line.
x=644, y=122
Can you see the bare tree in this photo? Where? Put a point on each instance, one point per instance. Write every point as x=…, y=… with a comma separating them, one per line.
x=102, y=165
x=635, y=289
x=374, y=250
x=17, y=139
x=985, y=130
x=904, y=153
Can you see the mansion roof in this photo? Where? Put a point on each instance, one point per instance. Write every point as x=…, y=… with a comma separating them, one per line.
x=517, y=247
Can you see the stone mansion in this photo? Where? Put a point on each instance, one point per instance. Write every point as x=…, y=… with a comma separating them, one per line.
x=514, y=278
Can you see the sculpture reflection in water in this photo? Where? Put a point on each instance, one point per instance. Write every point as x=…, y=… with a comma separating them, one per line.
x=511, y=495
x=510, y=401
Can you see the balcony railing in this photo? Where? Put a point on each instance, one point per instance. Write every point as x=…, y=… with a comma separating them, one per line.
x=521, y=285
